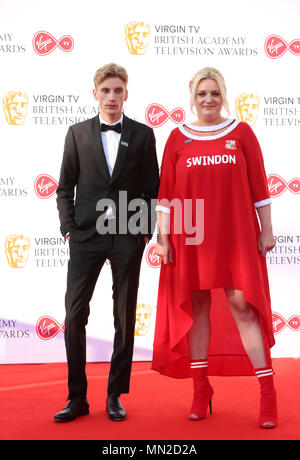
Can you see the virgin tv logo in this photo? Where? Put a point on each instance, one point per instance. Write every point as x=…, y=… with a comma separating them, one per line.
x=280, y=323
x=277, y=185
x=47, y=327
x=276, y=46
x=45, y=186
x=156, y=115
x=44, y=43
x=152, y=259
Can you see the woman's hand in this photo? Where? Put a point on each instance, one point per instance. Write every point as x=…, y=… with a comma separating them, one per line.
x=164, y=251
x=266, y=242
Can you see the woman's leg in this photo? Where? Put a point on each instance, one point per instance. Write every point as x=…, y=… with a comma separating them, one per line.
x=248, y=324
x=199, y=334
x=199, y=337
x=247, y=321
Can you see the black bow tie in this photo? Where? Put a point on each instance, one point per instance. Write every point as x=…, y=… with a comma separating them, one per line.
x=116, y=127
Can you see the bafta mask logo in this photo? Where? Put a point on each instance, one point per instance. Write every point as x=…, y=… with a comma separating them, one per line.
x=17, y=250
x=246, y=107
x=15, y=105
x=143, y=319
x=137, y=37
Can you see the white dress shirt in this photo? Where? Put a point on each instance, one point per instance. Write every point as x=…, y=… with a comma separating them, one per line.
x=110, y=142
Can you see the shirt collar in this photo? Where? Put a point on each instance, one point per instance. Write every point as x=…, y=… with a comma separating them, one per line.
x=106, y=123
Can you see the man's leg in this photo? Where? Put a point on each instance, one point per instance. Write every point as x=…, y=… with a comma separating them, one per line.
x=86, y=261
x=125, y=258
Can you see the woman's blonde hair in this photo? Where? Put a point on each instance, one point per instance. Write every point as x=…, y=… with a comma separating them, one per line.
x=213, y=74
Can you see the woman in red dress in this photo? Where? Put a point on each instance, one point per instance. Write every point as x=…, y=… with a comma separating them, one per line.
x=213, y=310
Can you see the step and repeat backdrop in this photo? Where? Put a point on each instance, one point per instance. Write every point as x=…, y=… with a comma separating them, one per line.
x=49, y=54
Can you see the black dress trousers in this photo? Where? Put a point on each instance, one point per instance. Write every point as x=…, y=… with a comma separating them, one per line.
x=124, y=252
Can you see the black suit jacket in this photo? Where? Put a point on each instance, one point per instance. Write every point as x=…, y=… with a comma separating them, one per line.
x=84, y=171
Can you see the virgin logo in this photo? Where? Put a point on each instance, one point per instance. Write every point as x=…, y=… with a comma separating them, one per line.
x=279, y=323
x=44, y=43
x=156, y=115
x=276, y=46
x=152, y=259
x=47, y=327
x=277, y=185
x=45, y=186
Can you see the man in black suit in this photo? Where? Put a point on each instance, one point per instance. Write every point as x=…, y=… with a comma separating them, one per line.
x=110, y=160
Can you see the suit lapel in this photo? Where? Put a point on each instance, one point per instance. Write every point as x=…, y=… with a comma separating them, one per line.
x=98, y=147
x=123, y=146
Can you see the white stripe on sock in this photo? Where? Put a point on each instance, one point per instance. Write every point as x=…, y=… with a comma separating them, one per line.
x=264, y=373
x=199, y=364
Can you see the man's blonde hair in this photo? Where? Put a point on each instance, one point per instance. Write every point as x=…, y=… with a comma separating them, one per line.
x=213, y=74
x=111, y=70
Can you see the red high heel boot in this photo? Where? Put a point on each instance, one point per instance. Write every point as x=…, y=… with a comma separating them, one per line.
x=203, y=391
x=268, y=401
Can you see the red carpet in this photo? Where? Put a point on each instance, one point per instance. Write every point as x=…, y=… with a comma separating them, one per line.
x=157, y=406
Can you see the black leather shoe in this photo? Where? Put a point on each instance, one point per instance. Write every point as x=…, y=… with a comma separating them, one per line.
x=73, y=409
x=114, y=408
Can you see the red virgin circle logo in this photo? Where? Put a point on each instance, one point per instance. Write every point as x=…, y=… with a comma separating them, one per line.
x=279, y=323
x=152, y=259
x=277, y=185
x=276, y=46
x=156, y=115
x=47, y=327
x=45, y=186
x=44, y=43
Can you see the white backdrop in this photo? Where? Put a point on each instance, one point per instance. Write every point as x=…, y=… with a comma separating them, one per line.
x=46, y=84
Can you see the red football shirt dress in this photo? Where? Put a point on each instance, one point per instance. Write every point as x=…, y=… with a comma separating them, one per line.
x=219, y=181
